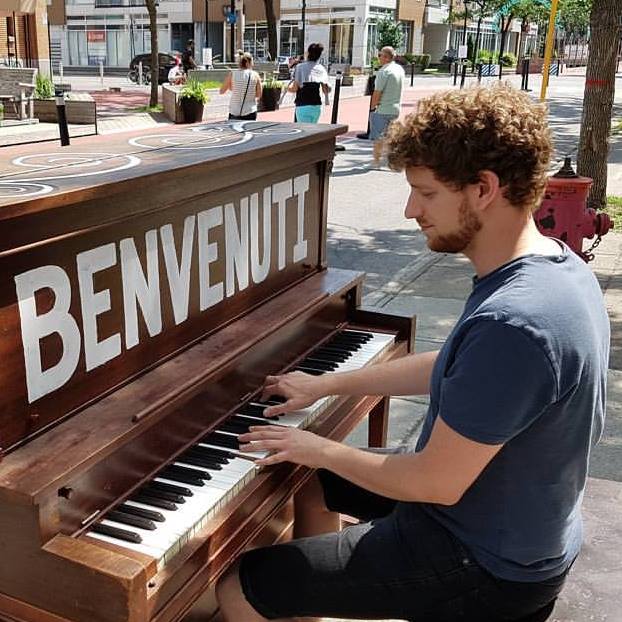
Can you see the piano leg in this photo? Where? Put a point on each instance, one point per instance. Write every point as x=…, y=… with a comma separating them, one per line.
x=379, y=423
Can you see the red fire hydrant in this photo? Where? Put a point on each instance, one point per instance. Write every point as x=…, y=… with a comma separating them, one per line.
x=564, y=214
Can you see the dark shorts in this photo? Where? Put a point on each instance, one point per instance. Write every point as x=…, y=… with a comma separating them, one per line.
x=398, y=564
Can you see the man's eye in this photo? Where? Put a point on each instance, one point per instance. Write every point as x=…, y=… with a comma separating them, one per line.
x=427, y=195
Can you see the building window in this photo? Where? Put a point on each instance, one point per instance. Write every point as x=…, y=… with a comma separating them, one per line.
x=256, y=40
x=289, y=39
x=341, y=38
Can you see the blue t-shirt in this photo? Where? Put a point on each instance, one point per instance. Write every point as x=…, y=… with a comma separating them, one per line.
x=526, y=365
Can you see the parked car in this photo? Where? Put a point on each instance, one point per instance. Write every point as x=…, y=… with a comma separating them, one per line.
x=165, y=62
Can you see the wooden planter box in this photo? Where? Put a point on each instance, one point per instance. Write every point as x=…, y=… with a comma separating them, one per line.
x=78, y=112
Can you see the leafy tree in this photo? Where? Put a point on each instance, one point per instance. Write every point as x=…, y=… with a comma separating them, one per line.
x=272, y=35
x=155, y=69
x=529, y=11
x=598, y=98
x=389, y=33
x=574, y=16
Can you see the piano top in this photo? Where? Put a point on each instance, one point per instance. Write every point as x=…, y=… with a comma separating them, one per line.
x=39, y=176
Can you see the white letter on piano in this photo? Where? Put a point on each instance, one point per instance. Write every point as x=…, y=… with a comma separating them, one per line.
x=178, y=276
x=301, y=185
x=209, y=295
x=36, y=327
x=93, y=303
x=140, y=291
x=280, y=193
x=260, y=269
x=236, y=246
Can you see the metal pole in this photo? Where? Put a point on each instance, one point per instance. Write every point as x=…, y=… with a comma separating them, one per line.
x=455, y=72
x=140, y=72
x=335, y=110
x=206, y=25
x=479, y=72
x=463, y=76
x=101, y=72
x=550, y=37
x=412, y=73
x=304, y=27
x=232, y=33
x=62, y=117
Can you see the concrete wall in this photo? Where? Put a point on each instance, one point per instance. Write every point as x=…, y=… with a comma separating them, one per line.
x=436, y=40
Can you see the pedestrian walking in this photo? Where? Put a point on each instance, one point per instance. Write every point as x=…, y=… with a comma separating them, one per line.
x=309, y=83
x=480, y=520
x=245, y=86
x=187, y=58
x=387, y=96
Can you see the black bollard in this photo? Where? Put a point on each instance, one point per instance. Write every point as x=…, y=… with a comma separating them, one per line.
x=62, y=117
x=480, y=66
x=527, y=74
x=455, y=72
x=412, y=73
x=369, y=90
x=463, y=76
x=490, y=67
x=335, y=110
x=500, y=67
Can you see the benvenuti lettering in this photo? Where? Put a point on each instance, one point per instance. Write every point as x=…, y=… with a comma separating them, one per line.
x=246, y=252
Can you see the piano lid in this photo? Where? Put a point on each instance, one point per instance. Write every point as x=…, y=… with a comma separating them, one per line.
x=110, y=263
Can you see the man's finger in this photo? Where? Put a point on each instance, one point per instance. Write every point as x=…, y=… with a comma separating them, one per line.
x=262, y=444
x=277, y=458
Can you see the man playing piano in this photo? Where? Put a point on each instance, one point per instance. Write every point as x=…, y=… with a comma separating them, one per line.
x=481, y=520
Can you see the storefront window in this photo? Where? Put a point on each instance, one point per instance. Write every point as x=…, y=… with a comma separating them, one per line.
x=256, y=40
x=289, y=39
x=341, y=38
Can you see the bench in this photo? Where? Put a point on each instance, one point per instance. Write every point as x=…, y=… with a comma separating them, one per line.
x=17, y=86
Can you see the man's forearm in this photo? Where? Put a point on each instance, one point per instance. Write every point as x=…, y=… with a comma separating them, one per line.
x=409, y=375
x=401, y=477
x=375, y=99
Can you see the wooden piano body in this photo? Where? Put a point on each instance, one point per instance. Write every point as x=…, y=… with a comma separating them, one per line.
x=145, y=294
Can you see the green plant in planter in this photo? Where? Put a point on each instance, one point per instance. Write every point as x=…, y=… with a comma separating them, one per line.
x=44, y=87
x=272, y=83
x=192, y=99
x=1, y=112
x=195, y=90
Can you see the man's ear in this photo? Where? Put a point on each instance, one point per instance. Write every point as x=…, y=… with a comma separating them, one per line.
x=485, y=190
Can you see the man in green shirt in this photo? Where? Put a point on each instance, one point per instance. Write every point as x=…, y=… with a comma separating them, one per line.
x=387, y=95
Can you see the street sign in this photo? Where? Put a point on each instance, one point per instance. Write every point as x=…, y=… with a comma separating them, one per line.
x=231, y=18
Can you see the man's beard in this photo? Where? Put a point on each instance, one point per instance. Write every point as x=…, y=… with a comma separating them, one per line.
x=469, y=224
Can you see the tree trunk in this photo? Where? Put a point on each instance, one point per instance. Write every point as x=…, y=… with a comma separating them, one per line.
x=476, y=50
x=598, y=98
x=155, y=69
x=272, y=35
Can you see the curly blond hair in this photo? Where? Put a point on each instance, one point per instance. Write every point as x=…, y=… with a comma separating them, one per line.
x=458, y=134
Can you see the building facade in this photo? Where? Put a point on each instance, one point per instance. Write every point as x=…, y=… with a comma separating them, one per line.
x=112, y=32
x=24, y=38
x=440, y=36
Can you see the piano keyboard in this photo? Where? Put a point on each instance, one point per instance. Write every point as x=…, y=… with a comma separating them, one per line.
x=162, y=515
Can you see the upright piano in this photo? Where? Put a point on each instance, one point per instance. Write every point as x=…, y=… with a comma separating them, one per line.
x=147, y=287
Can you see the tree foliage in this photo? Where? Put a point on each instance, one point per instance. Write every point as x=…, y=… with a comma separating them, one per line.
x=389, y=33
x=574, y=16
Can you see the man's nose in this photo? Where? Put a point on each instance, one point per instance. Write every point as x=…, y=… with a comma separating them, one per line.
x=412, y=209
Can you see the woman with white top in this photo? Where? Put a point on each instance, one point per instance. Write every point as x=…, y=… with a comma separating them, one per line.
x=245, y=87
x=310, y=81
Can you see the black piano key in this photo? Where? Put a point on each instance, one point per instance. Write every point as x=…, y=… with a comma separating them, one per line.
x=174, y=488
x=317, y=364
x=359, y=333
x=115, y=532
x=180, y=478
x=130, y=519
x=182, y=470
x=149, y=514
x=235, y=426
x=345, y=341
x=157, y=489
x=222, y=440
x=253, y=410
x=246, y=419
x=309, y=370
x=156, y=502
x=220, y=455
x=195, y=460
x=327, y=355
x=340, y=349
